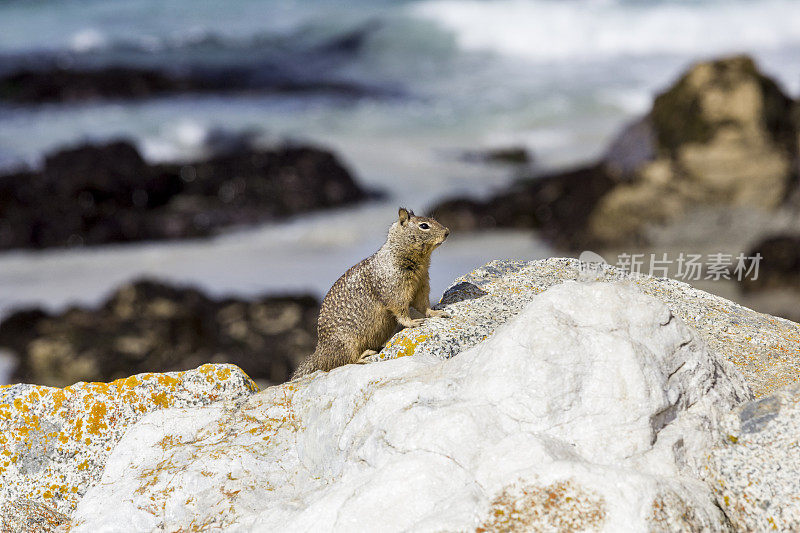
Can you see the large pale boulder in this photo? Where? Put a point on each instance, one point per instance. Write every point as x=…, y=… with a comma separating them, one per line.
x=588, y=409
x=54, y=442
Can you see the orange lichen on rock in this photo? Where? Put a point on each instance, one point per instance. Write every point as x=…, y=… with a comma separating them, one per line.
x=56, y=441
x=559, y=506
x=25, y=515
x=407, y=344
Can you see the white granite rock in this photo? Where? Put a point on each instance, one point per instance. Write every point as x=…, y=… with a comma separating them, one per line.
x=755, y=467
x=590, y=409
x=54, y=442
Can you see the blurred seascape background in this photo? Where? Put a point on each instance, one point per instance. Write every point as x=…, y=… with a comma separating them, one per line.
x=418, y=101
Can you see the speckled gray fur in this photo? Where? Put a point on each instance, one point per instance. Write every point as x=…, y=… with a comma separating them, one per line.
x=366, y=304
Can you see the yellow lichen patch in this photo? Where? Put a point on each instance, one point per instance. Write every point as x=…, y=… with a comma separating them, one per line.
x=95, y=421
x=169, y=441
x=168, y=381
x=160, y=399
x=130, y=382
x=208, y=370
x=84, y=422
x=407, y=345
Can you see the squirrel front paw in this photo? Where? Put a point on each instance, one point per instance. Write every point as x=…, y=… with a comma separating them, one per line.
x=365, y=357
x=436, y=313
x=412, y=322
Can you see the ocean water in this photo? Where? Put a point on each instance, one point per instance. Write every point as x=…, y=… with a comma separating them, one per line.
x=559, y=77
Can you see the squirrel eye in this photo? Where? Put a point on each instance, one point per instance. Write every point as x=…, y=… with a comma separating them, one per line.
x=424, y=226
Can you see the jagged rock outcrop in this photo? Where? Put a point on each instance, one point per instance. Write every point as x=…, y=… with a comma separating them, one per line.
x=96, y=194
x=55, y=442
x=723, y=135
x=147, y=326
x=53, y=82
x=506, y=155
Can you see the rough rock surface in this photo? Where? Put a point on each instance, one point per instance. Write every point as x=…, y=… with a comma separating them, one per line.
x=594, y=397
x=755, y=468
x=94, y=194
x=23, y=516
x=55, y=442
x=723, y=134
x=765, y=349
x=147, y=326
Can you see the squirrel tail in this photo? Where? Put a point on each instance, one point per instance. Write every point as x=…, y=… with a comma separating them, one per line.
x=306, y=367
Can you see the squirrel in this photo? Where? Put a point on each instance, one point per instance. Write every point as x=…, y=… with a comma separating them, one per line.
x=364, y=306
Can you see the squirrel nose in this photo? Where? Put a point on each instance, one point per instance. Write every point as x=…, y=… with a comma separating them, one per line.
x=446, y=232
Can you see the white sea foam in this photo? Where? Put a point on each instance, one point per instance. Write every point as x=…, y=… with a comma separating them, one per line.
x=88, y=39
x=634, y=101
x=182, y=140
x=588, y=29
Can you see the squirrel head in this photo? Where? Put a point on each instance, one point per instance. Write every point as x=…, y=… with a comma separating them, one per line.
x=422, y=234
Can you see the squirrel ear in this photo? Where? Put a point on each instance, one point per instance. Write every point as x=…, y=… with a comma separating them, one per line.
x=403, y=216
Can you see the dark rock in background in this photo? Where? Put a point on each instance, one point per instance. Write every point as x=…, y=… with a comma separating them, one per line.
x=148, y=326
x=95, y=194
x=55, y=84
x=66, y=85
x=633, y=147
x=779, y=267
x=294, y=63
x=511, y=155
x=557, y=204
